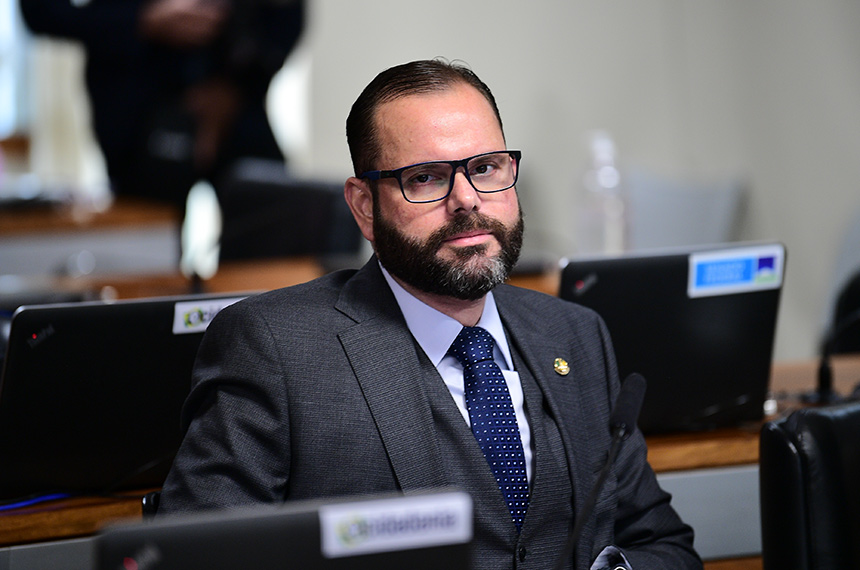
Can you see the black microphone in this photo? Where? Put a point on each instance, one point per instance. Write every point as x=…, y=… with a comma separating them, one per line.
x=622, y=423
x=622, y=420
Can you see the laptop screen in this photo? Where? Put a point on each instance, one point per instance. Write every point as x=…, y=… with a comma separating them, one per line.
x=91, y=392
x=698, y=324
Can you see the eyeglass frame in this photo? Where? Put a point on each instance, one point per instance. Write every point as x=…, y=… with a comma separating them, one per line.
x=376, y=175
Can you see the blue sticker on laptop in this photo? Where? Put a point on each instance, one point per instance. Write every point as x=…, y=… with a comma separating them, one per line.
x=737, y=270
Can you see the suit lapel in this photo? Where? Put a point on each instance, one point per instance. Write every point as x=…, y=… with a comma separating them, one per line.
x=539, y=350
x=383, y=356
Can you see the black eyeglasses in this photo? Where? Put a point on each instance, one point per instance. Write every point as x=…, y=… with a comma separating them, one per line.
x=433, y=181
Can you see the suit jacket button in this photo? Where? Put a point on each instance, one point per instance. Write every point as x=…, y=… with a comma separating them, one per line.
x=521, y=553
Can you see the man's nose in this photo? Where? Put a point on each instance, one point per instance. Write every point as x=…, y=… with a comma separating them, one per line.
x=463, y=196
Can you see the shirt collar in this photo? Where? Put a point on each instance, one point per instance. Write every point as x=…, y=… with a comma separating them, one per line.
x=435, y=331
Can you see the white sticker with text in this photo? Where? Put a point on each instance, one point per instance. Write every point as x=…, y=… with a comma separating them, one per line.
x=194, y=316
x=395, y=524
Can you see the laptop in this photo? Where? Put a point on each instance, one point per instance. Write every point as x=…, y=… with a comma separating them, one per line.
x=697, y=323
x=91, y=392
x=422, y=531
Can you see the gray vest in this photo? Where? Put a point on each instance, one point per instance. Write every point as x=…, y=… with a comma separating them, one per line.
x=548, y=521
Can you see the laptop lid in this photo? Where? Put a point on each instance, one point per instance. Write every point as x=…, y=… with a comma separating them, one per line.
x=697, y=323
x=91, y=392
x=423, y=531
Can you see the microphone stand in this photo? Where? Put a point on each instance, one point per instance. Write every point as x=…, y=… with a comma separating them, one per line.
x=622, y=423
x=824, y=394
x=585, y=511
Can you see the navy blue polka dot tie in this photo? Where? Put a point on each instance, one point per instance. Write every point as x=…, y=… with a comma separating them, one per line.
x=491, y=413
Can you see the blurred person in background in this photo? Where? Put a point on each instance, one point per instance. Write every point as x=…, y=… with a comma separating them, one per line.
x=177, y=88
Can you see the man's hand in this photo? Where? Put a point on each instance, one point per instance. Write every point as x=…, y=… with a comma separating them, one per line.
x=183, y=23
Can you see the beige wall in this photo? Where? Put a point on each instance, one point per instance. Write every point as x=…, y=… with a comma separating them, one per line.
x=763, y=90
x=766, y=90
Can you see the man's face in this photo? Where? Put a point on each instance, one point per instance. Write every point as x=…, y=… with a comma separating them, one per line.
x=461, y=246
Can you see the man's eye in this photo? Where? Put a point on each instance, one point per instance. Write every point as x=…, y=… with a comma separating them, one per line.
x=483, y=169
x=424, y=177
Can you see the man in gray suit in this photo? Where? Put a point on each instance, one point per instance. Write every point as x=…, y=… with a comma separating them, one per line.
x=362, y=381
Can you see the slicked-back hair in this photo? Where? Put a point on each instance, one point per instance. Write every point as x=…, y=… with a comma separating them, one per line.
x=414, y=78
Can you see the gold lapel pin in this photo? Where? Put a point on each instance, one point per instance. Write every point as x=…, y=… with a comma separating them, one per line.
x=562, y=368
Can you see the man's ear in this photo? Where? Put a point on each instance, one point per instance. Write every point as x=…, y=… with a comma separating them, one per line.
x=360, y=200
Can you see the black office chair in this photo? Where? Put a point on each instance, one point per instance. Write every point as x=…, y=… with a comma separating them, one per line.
x=268, y=214
x=809, y=483
x=844, y=333
x=841, y=337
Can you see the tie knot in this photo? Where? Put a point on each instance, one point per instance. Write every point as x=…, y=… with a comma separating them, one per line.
x=472, y=345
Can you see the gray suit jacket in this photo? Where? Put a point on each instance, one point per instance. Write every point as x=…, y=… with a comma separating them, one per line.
x=316, y=391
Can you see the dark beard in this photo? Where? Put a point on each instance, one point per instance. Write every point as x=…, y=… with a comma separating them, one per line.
x=469, y=277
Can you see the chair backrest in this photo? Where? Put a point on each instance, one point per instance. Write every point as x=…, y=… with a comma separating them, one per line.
x=810, y=489
x=268, y=214
x=846, y=268
x=671, y=213
x=844, y=333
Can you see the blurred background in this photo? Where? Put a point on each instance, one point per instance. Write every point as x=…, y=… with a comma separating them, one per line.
x=710, y=120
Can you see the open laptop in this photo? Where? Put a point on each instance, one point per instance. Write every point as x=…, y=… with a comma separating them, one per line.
x=697, y=323
x=91, y=392
x=422, y=531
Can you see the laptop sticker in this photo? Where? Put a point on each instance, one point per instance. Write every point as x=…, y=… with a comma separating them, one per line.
x=194, y=316
x=738, y=270
x=395, y=524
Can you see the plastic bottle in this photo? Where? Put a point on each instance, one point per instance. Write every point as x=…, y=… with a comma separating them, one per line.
x=601, y=201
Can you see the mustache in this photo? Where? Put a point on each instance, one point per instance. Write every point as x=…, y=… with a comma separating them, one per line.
x=476, y=221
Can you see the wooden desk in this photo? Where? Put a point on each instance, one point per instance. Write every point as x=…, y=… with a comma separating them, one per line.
x=76, y=517
x=233, y=276
x=739, y=446
x=125, y=213
x=674, y=452
x=67, y=518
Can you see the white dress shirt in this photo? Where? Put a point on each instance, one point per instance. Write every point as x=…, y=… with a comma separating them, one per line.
x=435, y=332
